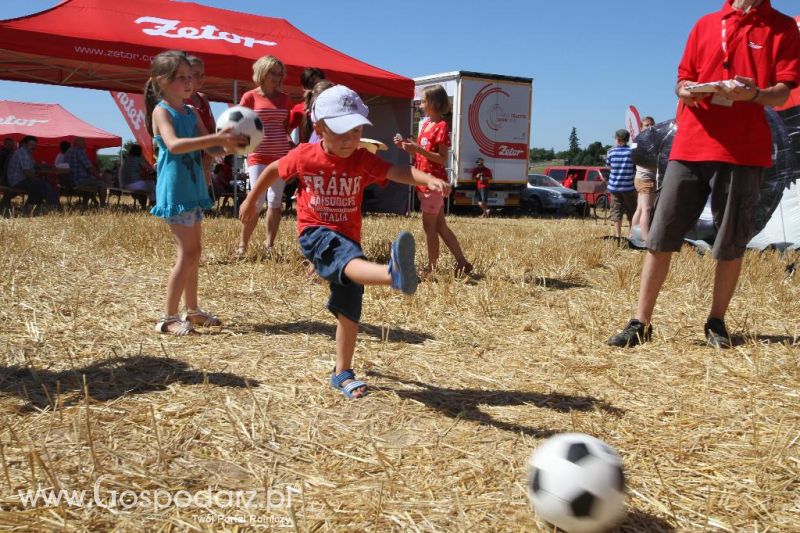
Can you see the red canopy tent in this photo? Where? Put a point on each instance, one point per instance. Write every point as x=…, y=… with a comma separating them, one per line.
x=100, y=44
x=50, y=124
x=108, y=45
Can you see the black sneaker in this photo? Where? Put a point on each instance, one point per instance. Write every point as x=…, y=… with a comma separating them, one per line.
x=635, y=333
x=717, y=334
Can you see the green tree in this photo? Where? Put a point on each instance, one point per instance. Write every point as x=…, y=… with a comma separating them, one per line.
x=541, y=154
x=574, y=143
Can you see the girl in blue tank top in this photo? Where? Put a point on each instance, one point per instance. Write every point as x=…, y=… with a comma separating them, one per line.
x=181, y=189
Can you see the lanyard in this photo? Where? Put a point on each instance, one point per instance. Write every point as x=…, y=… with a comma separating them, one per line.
x=726, y=58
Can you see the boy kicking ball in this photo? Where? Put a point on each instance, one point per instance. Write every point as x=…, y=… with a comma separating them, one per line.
x=332, y=176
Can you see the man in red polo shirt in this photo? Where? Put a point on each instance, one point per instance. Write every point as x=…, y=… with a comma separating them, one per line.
x=721, y=148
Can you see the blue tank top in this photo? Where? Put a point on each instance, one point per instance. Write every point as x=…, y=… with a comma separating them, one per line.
x=181, y=184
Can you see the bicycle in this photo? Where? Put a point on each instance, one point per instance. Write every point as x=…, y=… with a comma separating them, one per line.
x=602, y=206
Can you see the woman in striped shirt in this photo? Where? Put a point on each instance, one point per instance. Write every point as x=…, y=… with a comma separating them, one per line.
x=272, y=106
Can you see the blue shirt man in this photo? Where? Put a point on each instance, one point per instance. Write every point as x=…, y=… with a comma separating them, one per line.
x=620, y=181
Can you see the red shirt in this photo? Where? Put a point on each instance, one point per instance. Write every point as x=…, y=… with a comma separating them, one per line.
x=330, y=189
x=432, y=135
x=274, y=114
x=762, y=44
x=482, y=176
x=296, y=115
x=204, y=110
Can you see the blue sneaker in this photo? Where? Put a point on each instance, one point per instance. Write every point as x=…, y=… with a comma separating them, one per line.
x=401, y=264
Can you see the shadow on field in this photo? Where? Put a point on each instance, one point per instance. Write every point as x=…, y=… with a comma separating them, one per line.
x=553, y=283
x=108, y=379
x=776, y=339
x=638, y=521
x=465, y=403
x=547, y=283
x=313, y=327
x=739, y=340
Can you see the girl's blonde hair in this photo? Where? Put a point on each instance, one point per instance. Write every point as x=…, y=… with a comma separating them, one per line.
x=164, y=65
x=263, y=65
x=306, y=127
x=437, y=96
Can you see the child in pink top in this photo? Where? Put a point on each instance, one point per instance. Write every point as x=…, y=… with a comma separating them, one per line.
x=430, y=155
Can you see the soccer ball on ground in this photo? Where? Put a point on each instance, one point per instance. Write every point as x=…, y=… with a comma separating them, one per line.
x=575, y=482
x=244, y=121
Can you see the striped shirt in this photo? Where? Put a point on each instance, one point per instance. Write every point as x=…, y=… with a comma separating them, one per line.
x=274, y=114
x=79, y=165
x=622, y=169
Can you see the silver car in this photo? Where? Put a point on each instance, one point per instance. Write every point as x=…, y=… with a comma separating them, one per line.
x=544, y=194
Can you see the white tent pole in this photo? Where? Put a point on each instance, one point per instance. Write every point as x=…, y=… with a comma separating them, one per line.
x=235, y=158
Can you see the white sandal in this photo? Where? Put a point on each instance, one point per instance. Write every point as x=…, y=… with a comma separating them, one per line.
x=199, y=317
x=183, y=330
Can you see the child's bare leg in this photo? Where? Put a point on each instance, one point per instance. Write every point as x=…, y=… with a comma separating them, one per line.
x=190, y=287
x=188, y=254
x=346, y=333
x=247, y=232
x=450, y=240
x=429, y=224
x=273, y=222
x=366, y=272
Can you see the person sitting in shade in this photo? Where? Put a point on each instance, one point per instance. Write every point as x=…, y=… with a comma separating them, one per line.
x=138, y=175
x=22, y=175
x=82, y=173
x=61, y=159
x=9, y=146
x=222, y=176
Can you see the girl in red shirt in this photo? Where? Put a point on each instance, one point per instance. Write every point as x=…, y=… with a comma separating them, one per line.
x=272, y=106
x=430, y=156
x=199, y=100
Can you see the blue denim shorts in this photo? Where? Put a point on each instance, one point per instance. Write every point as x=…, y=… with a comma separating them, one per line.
x=330, y=252
x=187, y=218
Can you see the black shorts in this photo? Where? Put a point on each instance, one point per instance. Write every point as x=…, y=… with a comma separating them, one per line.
x=734, y=192
x=483, y=195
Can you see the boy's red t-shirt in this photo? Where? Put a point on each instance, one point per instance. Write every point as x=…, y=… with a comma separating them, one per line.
x=482, y=175
x=330, y=189
x=432, y=135
x=274, y=114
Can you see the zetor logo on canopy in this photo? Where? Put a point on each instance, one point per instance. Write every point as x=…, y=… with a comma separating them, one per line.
x=11, y=120
x=173, y=30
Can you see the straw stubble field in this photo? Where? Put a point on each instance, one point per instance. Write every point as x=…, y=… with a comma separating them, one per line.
x=467, y=377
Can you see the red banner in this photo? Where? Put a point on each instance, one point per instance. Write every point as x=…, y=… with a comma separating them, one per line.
x=133, y=109
x=632, y=121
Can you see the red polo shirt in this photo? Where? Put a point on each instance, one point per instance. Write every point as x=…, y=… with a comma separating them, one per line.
x=762, y=44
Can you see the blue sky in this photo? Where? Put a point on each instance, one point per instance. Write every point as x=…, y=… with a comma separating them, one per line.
x=589, y=60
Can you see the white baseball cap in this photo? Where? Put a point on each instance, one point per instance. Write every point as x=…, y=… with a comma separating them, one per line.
x=341, y=108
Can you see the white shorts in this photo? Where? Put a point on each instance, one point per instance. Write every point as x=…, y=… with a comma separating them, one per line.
x=274, y=196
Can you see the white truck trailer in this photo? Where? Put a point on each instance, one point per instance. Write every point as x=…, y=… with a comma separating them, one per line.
x=491, y=119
